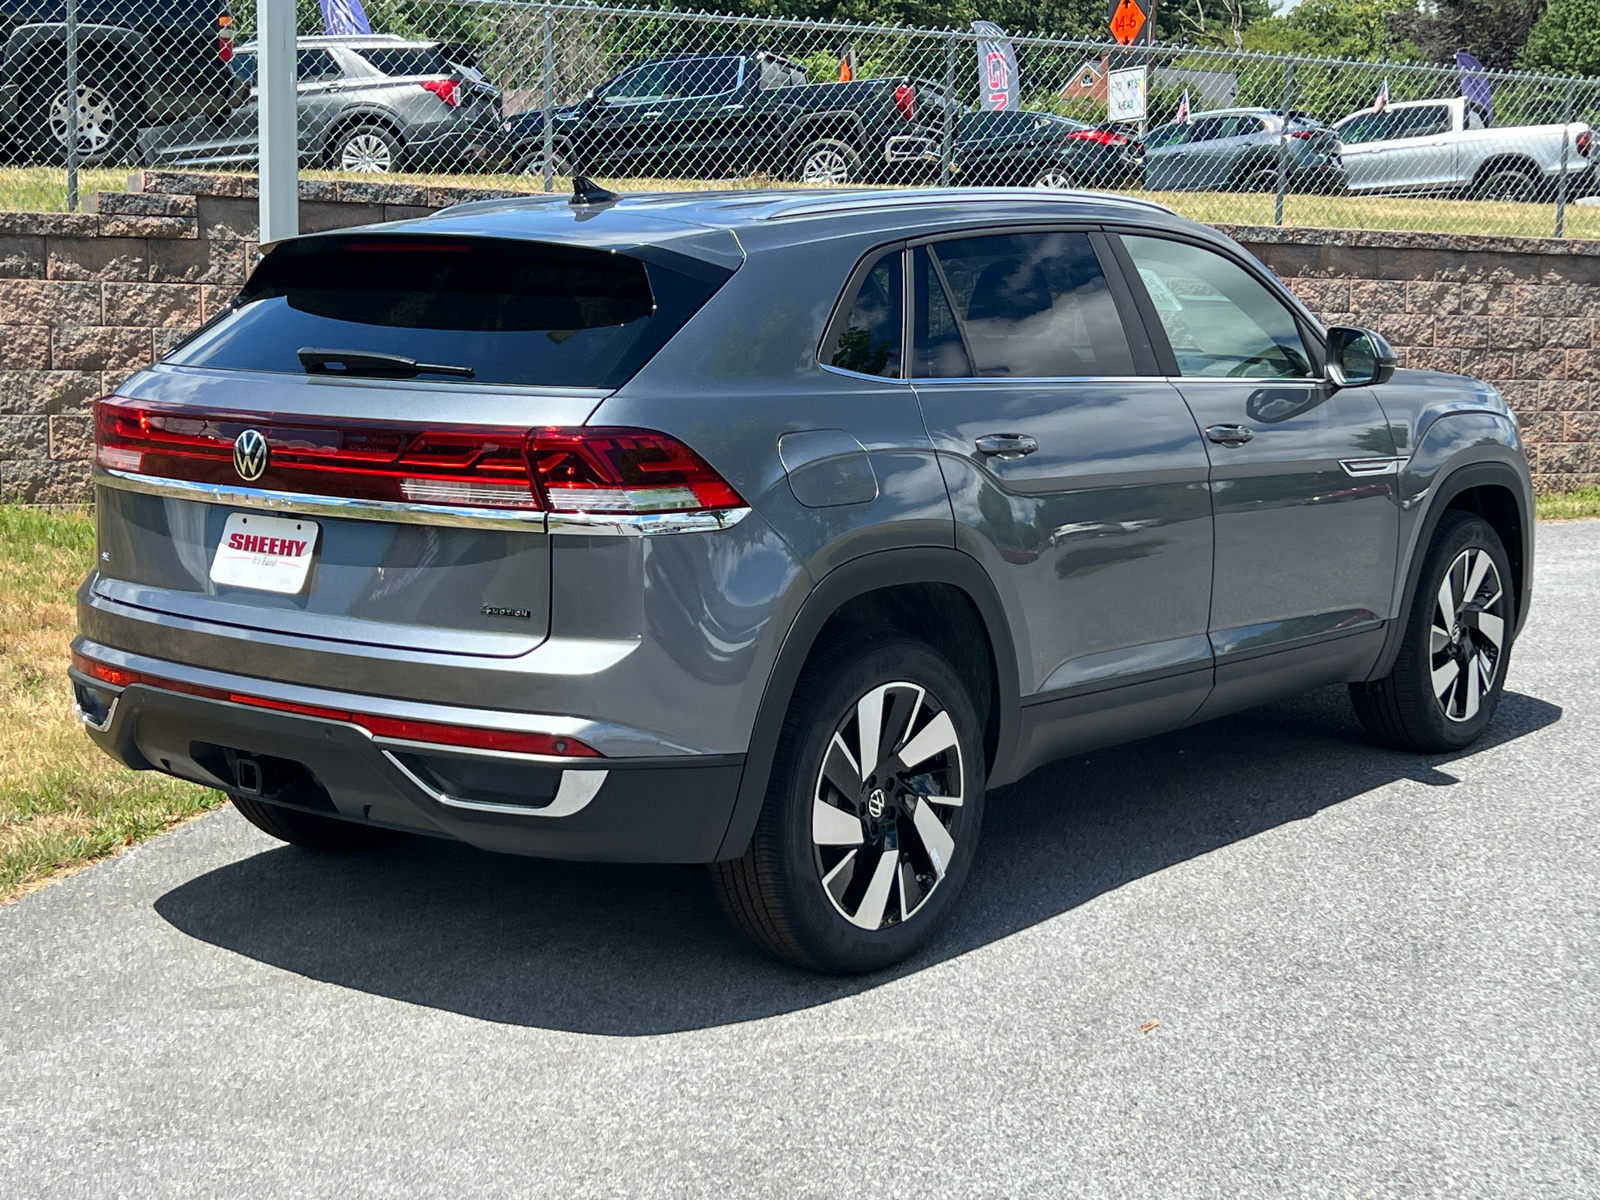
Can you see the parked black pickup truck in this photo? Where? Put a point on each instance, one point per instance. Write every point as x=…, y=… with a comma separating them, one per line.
x=140, y=62
x=708, y=116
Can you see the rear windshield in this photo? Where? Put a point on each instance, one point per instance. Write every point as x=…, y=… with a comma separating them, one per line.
x=514, y=312
x=403, y=61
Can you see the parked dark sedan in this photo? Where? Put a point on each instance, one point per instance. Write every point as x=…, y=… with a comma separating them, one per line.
x=1238, y=149
x=370, y=104
x=1033, y=149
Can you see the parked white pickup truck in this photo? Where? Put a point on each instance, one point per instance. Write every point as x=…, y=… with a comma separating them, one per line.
x=1442, y=146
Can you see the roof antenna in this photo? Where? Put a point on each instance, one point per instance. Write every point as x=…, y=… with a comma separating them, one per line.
x=586, y=191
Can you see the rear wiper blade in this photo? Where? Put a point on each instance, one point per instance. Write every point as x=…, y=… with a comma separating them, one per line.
x=373, y=364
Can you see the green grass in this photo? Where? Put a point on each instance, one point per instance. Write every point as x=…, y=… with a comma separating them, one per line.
x=43, y=189
x=1569, y=506
x=63, y=802
x=1434, y=215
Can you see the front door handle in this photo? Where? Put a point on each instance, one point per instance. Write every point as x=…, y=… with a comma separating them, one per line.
x=1228, y=435
x=1006, y=446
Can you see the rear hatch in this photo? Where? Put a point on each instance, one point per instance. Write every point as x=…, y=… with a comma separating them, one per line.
x=362, y=447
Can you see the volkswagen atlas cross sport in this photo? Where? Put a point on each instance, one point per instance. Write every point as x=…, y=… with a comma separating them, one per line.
x=767, y=530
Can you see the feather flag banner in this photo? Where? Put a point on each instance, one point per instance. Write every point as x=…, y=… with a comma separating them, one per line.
x=344, y=16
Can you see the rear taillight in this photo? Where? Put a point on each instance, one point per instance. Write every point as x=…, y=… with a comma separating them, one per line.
x=448, y=90
x=905, y=99
x=1585, y=140
x=581, y=470
x=225, y=37
x=1103, y=137
x=432, y=733
x=1305, y=135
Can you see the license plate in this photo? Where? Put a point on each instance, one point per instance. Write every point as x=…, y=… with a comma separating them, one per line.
x=267, y=554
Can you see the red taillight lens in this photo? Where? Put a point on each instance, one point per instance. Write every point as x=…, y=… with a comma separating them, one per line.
x=225, y=37
x=448, y=90
x=1305, y=135
x=1585, y=141
x=624, y=471
x=430, y=733
x=580, y=470
x=1103, y=137
x=905, y=99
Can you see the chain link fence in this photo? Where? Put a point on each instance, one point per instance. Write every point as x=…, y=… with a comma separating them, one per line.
x=641, y=99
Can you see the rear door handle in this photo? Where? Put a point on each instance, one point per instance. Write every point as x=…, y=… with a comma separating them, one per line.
x=1228, y=435
x=1006, y=446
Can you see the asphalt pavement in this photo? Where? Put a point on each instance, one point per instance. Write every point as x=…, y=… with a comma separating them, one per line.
x=1374, y=975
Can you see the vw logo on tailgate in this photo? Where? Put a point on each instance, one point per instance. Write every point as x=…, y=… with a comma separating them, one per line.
x=251, y=455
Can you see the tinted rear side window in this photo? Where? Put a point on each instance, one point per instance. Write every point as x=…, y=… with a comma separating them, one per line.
x=1035, y=305
x=515, y=312
x=404, y=61
x=868, y=339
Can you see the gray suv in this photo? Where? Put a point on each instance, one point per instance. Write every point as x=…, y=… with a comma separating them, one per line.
x=769, y=529
x=373, y=104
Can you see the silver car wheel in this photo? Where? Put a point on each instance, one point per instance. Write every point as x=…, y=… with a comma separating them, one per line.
x=366, y=152
x=827, y=166
x=1467, y=634
x=1053, y=179
x=886, y=805
x=96, y=118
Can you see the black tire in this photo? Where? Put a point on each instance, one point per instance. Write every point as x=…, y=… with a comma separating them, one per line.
x=312, y=832
x=1510, y=185
x=1054, y=179
x=366, y=149
x=1404, y=710
x=803, y=882
x=827, y=161
x=1260, y=179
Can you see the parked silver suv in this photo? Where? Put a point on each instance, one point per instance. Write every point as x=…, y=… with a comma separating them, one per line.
x=768, y=530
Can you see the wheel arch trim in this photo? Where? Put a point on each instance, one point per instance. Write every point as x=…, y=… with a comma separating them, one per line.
x=850, y=580
x=1446, y=488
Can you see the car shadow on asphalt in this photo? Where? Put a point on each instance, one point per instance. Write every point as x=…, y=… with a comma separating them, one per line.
x=633, y=950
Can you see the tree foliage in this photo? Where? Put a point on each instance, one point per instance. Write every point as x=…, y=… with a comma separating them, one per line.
x=1567, y=38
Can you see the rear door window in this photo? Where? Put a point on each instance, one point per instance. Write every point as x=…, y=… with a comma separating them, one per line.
x=513, y=312
x=867, y=337
x=1218, y=318
x=312, y=65
x=405, y=62
x=1032, y=306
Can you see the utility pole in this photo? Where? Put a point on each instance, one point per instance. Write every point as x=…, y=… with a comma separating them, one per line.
x=278, y=125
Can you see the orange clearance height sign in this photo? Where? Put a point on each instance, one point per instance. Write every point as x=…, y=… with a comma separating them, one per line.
x=1127, y=21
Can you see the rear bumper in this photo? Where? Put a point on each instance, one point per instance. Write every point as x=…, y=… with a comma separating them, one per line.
x=605, y=809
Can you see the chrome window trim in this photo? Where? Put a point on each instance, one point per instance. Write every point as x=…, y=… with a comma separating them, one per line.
x=573, y=794
x=525, y=520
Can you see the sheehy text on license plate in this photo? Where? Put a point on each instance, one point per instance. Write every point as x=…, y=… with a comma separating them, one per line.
x=268, y=554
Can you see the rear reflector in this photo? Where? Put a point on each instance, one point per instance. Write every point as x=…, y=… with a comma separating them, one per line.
x=447, y=90
x=431, y=733
x=581, y=470
x=905, y=99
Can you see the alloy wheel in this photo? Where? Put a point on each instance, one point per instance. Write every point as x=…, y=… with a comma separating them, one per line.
x=366, y=152
x=826, y=166
x=1053, y=179
x=886, y=806
x=96, y=119
x=1467, y=636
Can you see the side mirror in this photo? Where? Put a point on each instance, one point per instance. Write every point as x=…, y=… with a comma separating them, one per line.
x=1358, y=357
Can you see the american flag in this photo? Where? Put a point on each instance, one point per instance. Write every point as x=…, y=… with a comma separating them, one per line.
x=1382, y=100
x=1183, y=108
